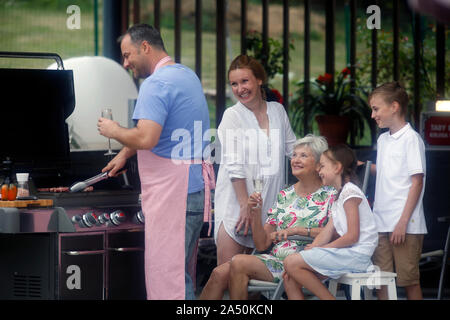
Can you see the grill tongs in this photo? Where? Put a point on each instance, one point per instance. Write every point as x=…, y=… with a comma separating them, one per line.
x=81, y=185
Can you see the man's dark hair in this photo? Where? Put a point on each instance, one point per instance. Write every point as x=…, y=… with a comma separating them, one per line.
x=141, y=32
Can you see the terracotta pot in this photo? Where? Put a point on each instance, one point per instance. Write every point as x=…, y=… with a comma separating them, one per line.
x=334, y=128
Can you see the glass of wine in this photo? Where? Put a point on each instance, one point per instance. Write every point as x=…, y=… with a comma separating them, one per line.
x=258, y=182
x=107, y=113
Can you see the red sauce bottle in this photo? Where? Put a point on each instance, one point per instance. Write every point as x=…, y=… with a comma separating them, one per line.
x=5, y=188
x=12, y=191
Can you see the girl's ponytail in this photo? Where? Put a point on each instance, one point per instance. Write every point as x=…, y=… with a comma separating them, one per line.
x=346, y=156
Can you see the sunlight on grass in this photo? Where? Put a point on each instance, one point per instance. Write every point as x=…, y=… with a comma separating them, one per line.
x=39, y=30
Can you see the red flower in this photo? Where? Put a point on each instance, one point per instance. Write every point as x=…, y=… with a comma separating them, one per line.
x=326, y=79
x=345, y=71
x=278, y=95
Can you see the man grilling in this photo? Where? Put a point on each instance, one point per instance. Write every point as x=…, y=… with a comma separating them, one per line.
x=171, y=113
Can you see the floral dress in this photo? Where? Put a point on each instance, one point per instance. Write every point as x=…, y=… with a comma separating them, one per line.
x=290, y=210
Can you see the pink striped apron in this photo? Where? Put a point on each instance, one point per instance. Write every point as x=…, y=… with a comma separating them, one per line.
x=164, y=187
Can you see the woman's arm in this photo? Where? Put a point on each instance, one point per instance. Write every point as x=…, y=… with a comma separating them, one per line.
x=261, y=234
x=352, y=234
x=282, y=235
x=289, y=135
x=230, y=138
x=240, y=189
x=373, y=169
x=324, y=236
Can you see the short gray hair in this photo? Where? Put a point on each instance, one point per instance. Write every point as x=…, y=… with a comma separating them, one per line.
x=317, y=144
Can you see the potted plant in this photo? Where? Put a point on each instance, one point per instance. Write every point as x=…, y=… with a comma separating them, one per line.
x=338, y=110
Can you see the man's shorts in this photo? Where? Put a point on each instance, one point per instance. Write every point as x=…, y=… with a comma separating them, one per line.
x=403, y=257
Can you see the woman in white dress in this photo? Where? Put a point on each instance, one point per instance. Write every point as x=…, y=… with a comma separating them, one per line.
x=255, y=136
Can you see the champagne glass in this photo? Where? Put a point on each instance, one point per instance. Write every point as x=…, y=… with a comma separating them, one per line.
x=107, y=113
x=258, y=183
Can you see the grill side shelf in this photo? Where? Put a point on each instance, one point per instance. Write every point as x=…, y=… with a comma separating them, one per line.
x=60, y=222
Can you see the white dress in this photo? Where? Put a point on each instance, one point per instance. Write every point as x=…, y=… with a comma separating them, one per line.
x=244, y=149
x=334, y=262
x=368, y=233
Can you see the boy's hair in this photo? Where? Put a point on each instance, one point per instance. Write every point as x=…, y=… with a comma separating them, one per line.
x=390, y=92
x=244, y=61
x=317, y=144
x=142, y=31
x=346, y=157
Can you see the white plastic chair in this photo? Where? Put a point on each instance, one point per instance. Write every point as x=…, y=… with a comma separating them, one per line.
x=366, y=176
x=368, y=281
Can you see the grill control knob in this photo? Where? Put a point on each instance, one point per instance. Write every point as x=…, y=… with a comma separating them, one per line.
x=89, y=219
x=139, y=217
x=117, y=217
x=76, y=219
x=103, y=218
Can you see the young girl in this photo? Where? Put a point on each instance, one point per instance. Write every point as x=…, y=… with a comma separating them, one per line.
x=353, y=221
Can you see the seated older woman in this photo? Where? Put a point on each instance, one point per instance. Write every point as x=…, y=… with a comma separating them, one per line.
x=301, y=209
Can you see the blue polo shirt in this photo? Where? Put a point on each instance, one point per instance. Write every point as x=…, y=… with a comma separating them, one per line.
x=173, y=97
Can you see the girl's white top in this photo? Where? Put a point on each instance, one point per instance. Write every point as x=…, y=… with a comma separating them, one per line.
x=243, y=150
x=368, y=234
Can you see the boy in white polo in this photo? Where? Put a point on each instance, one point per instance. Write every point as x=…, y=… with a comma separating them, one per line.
x=400, y=184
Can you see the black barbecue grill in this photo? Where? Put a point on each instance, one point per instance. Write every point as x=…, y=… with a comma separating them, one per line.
x=87, y=245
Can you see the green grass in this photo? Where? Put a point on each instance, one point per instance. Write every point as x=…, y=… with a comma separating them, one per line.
x=44, y=30
x=25, y=28
x=39, y=30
